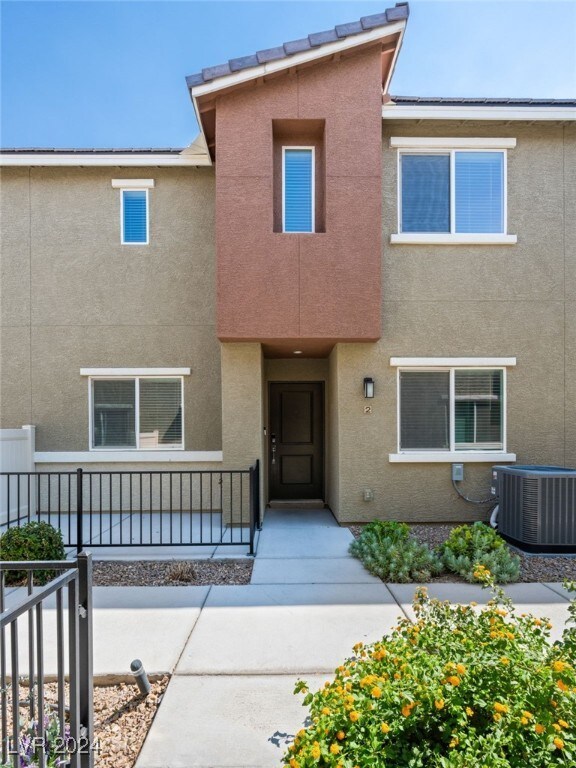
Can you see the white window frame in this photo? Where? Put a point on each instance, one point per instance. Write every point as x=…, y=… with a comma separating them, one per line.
x=134, y=189
x=425, y=455
x=136, y=378
x=313, y=190
x=449, y=147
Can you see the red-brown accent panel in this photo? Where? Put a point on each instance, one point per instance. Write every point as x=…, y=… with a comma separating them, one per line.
x=324, y=285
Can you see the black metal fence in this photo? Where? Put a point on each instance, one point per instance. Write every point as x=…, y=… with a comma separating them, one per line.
x=148, y=508
x=28, y=719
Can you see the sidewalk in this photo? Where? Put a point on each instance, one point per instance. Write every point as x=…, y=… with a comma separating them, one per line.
x=230, y=703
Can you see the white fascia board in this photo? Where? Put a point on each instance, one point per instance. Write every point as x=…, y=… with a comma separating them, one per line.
x=448, y=362
x=295, y=60
x=441, y=142
x=125, y=457
x=393, y=111
x=134, y=371
x=448, y=457
x=113, y=159
x=132, y=183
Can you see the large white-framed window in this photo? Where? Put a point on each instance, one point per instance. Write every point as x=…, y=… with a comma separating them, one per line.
x=134, y=210
x=452, y=410
x=452, y=191
x=298, y=189
x=136, y=411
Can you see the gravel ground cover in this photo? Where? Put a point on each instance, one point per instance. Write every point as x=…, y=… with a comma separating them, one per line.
x=122, y=719
x=533, y=568
x=170, y=573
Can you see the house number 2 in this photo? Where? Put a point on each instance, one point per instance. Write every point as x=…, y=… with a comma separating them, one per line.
x=367, y=409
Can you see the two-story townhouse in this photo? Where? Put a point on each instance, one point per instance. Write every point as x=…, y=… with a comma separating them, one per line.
x=361, y=290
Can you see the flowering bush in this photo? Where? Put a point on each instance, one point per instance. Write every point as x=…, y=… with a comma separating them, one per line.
x=471, y=545
x=457, y=688
x=29, y=745
x=387, y=550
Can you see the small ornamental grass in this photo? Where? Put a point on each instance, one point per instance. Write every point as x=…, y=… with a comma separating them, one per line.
x=387, y=550
x=458, y=688
x=469, y=546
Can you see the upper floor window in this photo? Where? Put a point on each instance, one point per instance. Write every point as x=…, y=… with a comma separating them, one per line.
x=134, y=218
x=298, y=189
x=449, y=194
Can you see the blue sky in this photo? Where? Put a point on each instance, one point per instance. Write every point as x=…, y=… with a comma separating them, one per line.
x=111, y=74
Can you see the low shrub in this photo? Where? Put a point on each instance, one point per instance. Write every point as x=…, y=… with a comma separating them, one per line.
x=457, y=688
x=32, y=541
x=469, y=546
x=387, y=550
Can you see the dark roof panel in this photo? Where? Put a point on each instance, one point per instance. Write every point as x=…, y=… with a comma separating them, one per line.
x=89, y=151
x=315, y=40
x=479, y=101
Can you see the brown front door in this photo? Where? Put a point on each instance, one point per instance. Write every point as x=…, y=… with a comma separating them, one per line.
x=296, y=441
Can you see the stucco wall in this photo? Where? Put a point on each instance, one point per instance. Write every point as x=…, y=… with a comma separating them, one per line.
x=73, y=296
x=471, y=301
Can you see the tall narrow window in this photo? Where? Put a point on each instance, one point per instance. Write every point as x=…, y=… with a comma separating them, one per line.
x=298, y=189
x=135, y=216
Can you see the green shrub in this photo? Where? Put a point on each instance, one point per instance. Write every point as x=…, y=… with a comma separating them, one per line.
x=32, y=541
x=471, y=545
x=387, y=550
x=457, y=689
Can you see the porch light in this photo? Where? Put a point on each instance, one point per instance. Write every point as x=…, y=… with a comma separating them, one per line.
x=368, y=387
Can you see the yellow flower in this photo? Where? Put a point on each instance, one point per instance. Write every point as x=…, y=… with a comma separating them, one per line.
x=325, y=711
x=439, y=703
x=539, y=728
x=461, y=669
x=563, y=723
x=454, y=742
x=524, y=720
x=335, y=748
x=340, y=735
x=407, y=710
x=469, y=711
x=354, y=716
x=556, y=726
x=384, y=727
x=496, y=717
x=558, y=743
x=453, y=680
x=505, y=660
x=559, y=666
x=562, y=685
x=294, y=763
x=315, y=751
x=527, y=714
x=500, y=707
x=376, y=692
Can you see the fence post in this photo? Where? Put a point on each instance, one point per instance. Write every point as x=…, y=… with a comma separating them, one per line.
x=85, y=658
x=252, y=472
x=79, y=511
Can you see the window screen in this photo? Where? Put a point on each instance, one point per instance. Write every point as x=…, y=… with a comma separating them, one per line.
x=113, y=419
x=425, y=193
x=424, y=410
x=160, y=412
x=478, y=409
x=479, y=191
x=298, y=190
x=134, y=216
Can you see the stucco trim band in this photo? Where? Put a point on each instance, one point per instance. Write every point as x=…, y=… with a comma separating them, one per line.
x=425, y=238
x=127, y=457
x=132, y=183
x=134, y=371
x=434, y=362
x=447, y=457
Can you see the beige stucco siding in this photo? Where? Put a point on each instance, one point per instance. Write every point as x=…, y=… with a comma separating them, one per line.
x=470, y=301
x=74, y=297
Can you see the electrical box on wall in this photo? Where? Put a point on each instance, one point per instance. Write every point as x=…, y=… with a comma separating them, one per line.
x=457, y=473
x=368, y=494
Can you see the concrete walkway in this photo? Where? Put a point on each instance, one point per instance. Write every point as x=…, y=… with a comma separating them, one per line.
x=230, y=702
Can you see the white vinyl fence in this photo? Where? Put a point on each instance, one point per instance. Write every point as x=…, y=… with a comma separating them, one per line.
x=17, y=496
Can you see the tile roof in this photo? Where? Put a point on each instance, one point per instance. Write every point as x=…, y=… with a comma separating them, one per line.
x=480, y=101
x=315, y=40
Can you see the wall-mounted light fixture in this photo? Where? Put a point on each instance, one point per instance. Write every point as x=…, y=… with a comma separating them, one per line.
x=368, y=387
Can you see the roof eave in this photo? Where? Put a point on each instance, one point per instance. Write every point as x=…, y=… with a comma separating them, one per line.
x=393, y=111
x=24, y=159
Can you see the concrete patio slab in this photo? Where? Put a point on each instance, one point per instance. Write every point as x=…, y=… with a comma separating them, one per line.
x=149, y=623
x=559, y=588
x=528, y=598
x=225, y=722
x=285, y=629
x=315, y=541
x=333, y=570
x=299, y=518
x=152, y=553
